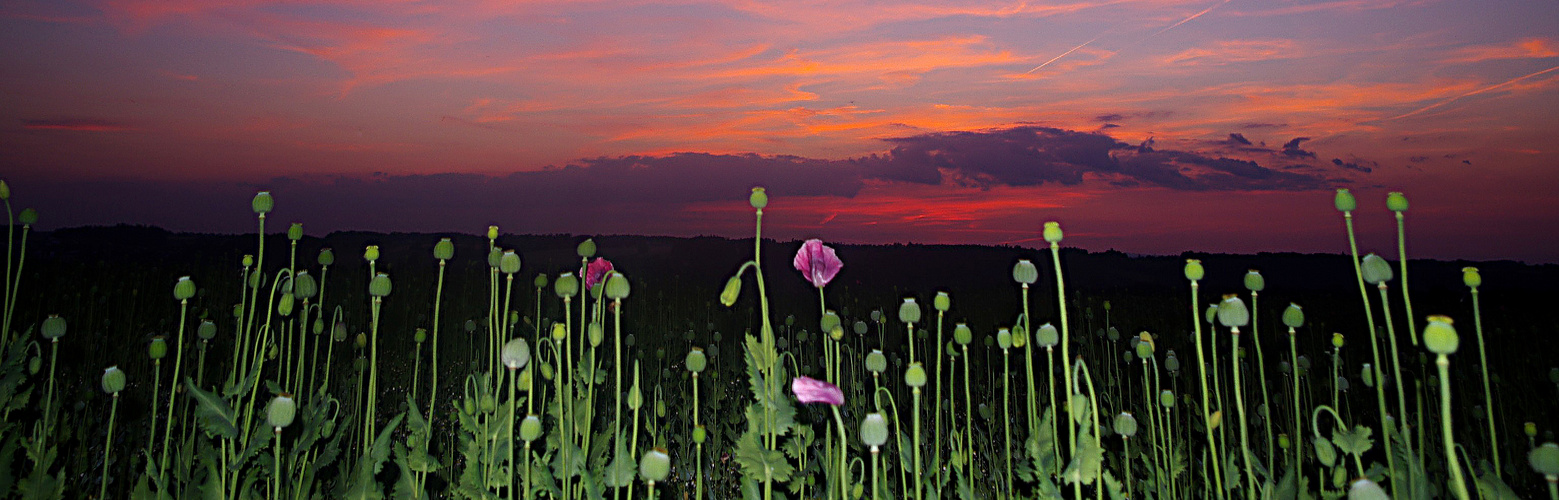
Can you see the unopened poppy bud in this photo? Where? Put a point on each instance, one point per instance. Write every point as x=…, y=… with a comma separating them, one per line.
x=1024, y=272
x=338, y=332
x=586, y=249
x=468, y=407
x=830, y=320
x=874, y=430
x=380, y=286
x=617, y=286
x=595, y=333
x=1052, y=232
x=207, y=330
x=1254, y=282
x=695, y=360
x=1232, y=312
x=262, y=203
x=1471, y=278
x=876, y=362
x=371, y=253
x=540, y=281
x=962, y=334
x=113, y=380
x=1125, y=424
x=516, y=353
x=53, y=327
x=304, y=285
x=566, y=286
x=1395, y=202
x=509, y=262
x=1004, y=338
x=492, y=233
x=1077, y=406
x=326, y=257
x=444, y=249
x=419, y=336
x=1439, y=336
x=655, y=465
x=281, y=412
x=487, y=403
x=758, y=199
x=530, y=428
x=361, y=340
x=1215, y=420
x=28, y=217
x=1193, y=270
x=284, y=306
x=635, y=397
x=1293, y=316
x=1047, y=336
x=1375, y=269
x=733, y=288
x=158, y=349
x=942, y=302
x=915, y=376
x=700, y=434
x=5, y=190
x=295, y=231
x=1344, y=201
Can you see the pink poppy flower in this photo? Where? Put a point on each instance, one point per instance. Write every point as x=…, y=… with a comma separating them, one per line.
x=817, y=262
x=811, y=390
x=596, y=272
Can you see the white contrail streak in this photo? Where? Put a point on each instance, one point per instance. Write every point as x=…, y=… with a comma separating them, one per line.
x=1188, y=19
x=1064, y=54
x=1475, y=92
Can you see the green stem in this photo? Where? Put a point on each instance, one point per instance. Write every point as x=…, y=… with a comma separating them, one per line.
x=1006, y=409
x=373, y=377
x=276, y=465
x=510, y=477
x=1459, y=486
x=1488, y=396
x=969, y=419
x=1396, y=366
x=1028, y=366
x=936, y=406
x=16, y=284
x=1066, y=343
x=699, y=446
x=844, y=447
x=1201, y=372
x=1407, y=300
x=108, y=445
x=1239, y=404
x=915, y=415
x=151, y=435
x=1261, y=374
x=1369, y=319
x=1299, y=426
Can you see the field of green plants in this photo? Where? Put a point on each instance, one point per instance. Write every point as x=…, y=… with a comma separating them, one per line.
x=294, y=374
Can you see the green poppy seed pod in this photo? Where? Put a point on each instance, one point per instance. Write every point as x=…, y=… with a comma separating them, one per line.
x=617, y=286
x=874, y=430
x=860, y=327
x=559, y=331
x=5, y=190
x=1375, y=269
x=371, y=253
x=655, y=465
x=1024, y=272
x=695, y=362
x=247, y=260
x=1254, y=282
x=1052, y=232
x=28, y=217
x=380, y=286
x=530, y=428
x=1344, y=201
x=494, y=257
x=635, y=397
x=586, y=249
x=1193, y=270
x=470, y=325
x=915, y=376
x=420, y=335
x=1232, y=312
x=158, y=349
x=53, y=327
x=1293, y=316
x=1365, y=489
x=836, y=333
x=733, y=288
x=516, y=353
x=284, y=306
x=305, y=286
x=509, y=262
x=492, y=233
x=942, y=302
x=758, y=199
x=207, y=330
x=326, y=257
x=1211, y=313
x=830, y=320
x=113, y=380
x=540, y=281
x=700, y=434
x=962, y=334
x=1166, y=399
x=282, y=411
x=909, y=311
x=183, y=289
x=1047, y=336
x=1171, y=363
x=262, y=203
x=1145, y=345
x=295, y=232
x=1471, y=278
x=876, y=362
x=1113, y=334
x=1125, y=424
x=1395, y=202
x=595, y=333
x=1003, y=338
x=1439, y=336
x=566, y=286
x=444, y=249
x=361, y=340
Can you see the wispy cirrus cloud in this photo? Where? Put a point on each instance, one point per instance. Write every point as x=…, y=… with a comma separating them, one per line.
x=78, y=125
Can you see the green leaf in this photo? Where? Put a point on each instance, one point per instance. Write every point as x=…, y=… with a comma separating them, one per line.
x=1354, y=443
x=215, y=416
x=1086, y=463
x=363, y=486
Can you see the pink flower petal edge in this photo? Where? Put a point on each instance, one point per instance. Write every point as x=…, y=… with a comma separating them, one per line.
x=811, y=390
x=596, y=271
x=817, y=262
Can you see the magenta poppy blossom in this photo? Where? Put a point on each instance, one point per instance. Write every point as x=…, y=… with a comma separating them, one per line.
x=596, y=272
x=817, y=262
x=811, y=390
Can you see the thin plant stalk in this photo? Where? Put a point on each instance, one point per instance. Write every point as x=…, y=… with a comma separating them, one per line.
x=844, y=448
x=1006, y=408
x=969, y=418
x=1201, y=372
x=1369, y=319
x=1483, y=360
x=1458, y=485
x=1066, y=343
x=1261, y=374
x=1239, y=404
x=108, y=445
x=16, y=284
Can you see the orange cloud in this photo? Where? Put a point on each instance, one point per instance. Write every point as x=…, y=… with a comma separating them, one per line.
x=1526, y=48
x=1234, y=51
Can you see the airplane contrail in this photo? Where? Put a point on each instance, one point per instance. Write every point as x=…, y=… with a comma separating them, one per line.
x=1188, y=19
x=1101, y=35
x=1475, y=92
x=1064, y=54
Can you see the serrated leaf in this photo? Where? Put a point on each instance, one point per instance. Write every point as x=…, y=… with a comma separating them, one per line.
x=1354, y=443
x=213, y=413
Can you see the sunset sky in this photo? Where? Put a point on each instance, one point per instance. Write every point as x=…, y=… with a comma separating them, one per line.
x=1152, y=126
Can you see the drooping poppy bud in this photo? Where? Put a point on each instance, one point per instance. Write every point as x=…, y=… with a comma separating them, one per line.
x=284, y=306
x=733, y=288
x=304, y=285
x=595, y=333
